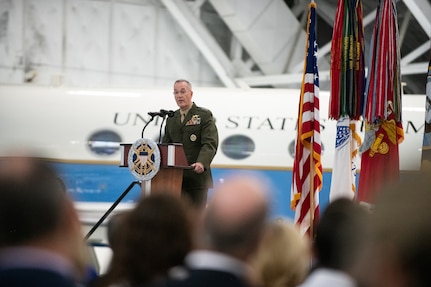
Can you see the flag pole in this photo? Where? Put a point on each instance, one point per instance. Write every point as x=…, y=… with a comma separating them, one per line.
x=312, y=205
x=311, y=211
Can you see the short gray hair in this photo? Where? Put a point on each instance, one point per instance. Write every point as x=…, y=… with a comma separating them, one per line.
x=184, y=81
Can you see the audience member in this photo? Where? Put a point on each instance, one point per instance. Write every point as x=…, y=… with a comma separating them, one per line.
x=283, y=257
x=232, y=226
x=155, y=237
x=113, y=229
x=338, y=242
x=40, y=233
x=114, y=237
x=399, y=249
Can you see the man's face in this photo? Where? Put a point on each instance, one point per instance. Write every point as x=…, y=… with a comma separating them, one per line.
x=183, y=95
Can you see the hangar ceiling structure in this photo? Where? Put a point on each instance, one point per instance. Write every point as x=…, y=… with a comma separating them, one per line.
x=150, y=43
x=261, y=43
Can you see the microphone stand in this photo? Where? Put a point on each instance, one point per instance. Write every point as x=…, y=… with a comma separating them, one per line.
x=111, y=209
x=161, y=126
x=142, y=134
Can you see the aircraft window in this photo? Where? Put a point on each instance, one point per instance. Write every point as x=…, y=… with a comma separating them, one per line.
x=104, y=142
x=238, y=146
x=291, y=148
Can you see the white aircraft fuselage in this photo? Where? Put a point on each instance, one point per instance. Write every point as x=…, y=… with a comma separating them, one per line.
x=81, y=130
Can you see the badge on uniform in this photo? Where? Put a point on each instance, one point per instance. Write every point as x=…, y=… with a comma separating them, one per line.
x=195, y=120
x=193, y=137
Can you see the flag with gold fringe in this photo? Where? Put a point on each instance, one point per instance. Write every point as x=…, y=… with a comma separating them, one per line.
x=307, y=168
x=382, y=112
x=347, y=94
x=343, y=181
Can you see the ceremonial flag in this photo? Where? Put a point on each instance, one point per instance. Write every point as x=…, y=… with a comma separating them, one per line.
x=347, y=94
x=347, y=61
x=426, y=146
x=307, y=168
x=343, y=183
x=382, y=113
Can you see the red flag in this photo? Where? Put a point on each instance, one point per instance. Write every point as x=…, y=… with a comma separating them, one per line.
x=307, y=169
x=382, y=114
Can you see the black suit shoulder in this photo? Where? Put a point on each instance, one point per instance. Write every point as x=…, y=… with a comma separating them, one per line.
x=34, y=277
x=203, y=278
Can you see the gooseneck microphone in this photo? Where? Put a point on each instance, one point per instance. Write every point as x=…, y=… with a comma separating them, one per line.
x=153, y=114
x=169, y=113
x=162, y=113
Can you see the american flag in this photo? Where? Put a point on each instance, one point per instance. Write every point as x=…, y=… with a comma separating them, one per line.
x=307, y=168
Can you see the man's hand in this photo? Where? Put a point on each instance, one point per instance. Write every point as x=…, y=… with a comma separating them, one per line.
x=198, y=167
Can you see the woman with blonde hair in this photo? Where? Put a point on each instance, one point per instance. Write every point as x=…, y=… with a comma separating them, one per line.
x=283, y=257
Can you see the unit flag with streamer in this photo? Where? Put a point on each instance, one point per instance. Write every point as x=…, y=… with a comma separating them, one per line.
x=382, y=114
x=347, y=94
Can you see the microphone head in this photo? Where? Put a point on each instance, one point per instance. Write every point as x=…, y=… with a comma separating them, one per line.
x=153, y=114
x=170, y=113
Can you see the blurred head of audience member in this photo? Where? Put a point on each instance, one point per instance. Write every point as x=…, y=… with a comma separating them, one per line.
x=39, y=226
x=155, y=237
x=283, y=257
x=398, y=253
x=338, y=243
x=340, y=235
x=235, y=217
x=113, y=229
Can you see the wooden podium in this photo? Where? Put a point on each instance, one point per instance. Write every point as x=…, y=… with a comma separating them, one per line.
x=170, y=175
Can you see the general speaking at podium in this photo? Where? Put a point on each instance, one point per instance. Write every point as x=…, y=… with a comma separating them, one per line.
x=193, y=127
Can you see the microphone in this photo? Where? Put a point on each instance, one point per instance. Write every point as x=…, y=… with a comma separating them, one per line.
x=153, y=114
x=162, y=113
x=170, y=113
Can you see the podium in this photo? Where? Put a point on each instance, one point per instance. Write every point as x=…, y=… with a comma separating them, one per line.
x=170, y=175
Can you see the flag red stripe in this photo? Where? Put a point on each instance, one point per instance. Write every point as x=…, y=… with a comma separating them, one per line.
x=307, y=165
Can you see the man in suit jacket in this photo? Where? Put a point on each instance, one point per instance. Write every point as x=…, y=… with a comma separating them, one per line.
x=40, y=233
x=194, y=127
x=231, y=230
